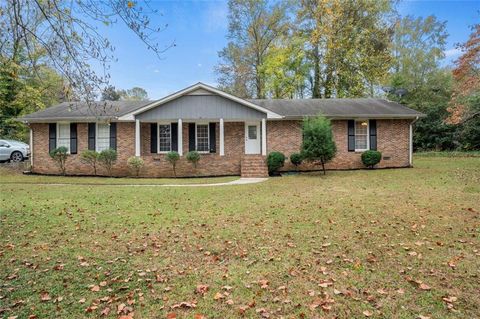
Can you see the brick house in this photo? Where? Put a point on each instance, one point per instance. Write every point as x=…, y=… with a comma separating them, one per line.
x=233, y=135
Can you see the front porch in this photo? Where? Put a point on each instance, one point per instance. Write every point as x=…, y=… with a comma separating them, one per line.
x=226, y=147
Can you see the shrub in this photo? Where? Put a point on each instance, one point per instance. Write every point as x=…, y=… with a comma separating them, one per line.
x=107, y=158
x=318, y=143
x=296, y=159
x=90, y=158
x=60, y=155
x=193, y=157
x=275, y=160
x=135, y=163
x=371, y=158
x=173, y=157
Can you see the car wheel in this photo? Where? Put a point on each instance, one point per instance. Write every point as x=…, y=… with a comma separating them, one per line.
x=16, y=157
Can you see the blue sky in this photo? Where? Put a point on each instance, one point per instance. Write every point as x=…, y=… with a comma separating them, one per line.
x=199, y=30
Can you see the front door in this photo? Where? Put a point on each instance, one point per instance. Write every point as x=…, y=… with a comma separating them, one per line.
x=252, y=138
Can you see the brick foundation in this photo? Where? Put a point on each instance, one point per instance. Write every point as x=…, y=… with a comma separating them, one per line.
x=283, y=136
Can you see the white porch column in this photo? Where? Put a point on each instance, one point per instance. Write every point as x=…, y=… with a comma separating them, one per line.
x=222, y=139
x=137, y=137
x=264, y=137
x=180, y=138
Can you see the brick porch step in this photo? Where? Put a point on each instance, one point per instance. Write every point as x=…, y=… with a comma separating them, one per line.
x=254, y=166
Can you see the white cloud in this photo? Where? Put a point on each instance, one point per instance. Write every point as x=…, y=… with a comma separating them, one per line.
x=199, y=65
x=156, y=71
x=450, y=53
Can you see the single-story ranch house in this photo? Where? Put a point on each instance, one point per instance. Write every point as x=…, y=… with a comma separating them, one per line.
x=233, y=135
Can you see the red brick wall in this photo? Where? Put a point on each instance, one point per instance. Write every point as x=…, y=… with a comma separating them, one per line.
x=155, y=164
x=392, y=141
x=283, y=136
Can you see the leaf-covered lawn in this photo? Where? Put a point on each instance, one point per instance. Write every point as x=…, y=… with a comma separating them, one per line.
x=398, y=243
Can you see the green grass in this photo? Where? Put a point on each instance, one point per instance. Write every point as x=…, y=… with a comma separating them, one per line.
x=350, y=242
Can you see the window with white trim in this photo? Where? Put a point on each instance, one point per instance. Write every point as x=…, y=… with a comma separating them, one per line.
x=203, y=141
x=103, y=137
x=361, y=135
x=164, y=138
x=63, y=135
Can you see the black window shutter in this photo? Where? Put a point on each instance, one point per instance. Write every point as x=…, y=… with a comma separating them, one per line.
x=213, y=137
x=191, y=137
x=174, y=136
x=153, y=137
x=52, y=136
x=113, y=136
x=73, y=138
x=351, y=135
x=373, y=134
x=91, y=136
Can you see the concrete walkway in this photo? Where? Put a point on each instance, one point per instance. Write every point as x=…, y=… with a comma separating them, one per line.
x=240, y=181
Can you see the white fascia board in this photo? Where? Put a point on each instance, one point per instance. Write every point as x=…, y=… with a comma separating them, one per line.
x=131, y=116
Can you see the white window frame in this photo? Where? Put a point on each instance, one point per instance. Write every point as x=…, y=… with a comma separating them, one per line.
x=368, y=135
x=208, y=137
x=57, y=134
x=158, y=138
x=96, y=136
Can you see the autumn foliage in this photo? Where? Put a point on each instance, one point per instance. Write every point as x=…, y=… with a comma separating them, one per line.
x=467, y=80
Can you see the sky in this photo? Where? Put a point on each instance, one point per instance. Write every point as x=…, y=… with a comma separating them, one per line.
x=199, y=30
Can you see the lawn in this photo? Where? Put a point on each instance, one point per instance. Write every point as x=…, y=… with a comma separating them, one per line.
x=398, y=243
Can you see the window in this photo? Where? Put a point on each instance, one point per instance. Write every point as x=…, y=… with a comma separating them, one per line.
x=361, y=135
x=252, y=132
x=164, y=138
x=203, y=144
x=103, y=137
x=63, y=135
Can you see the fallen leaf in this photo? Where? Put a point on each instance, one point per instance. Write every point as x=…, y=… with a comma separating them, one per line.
x=424, y=286
x=218, y=296
x=171, y=315
x=202, y=289
x=105, y=311
x=44, y=296
x=95, y=288
x=367, y=313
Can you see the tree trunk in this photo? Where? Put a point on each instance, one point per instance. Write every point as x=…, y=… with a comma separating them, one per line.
x=316, y=74
x=328, y=83
x=323, y=167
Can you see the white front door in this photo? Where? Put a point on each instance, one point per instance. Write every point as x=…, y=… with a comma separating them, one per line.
x=252, y=138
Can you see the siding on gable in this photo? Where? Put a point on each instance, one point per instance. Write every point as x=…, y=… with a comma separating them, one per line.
x=195, y=107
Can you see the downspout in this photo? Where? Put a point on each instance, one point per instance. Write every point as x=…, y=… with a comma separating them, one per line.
x=410, y=155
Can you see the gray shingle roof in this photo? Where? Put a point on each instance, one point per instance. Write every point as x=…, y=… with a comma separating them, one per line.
x=334, y=108
x=338, y=108
x=83, y=111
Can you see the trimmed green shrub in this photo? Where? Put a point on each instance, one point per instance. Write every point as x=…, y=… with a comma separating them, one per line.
x=296, y=159
x=275, y=161
x=371, y=158
x=90, y=157
x=107, y=158
x=193, y=157
x=173, y=157
x=59, y=155
x=135, y=163
x=318, y=143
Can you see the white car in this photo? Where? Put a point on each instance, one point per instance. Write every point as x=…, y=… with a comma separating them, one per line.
x=13, y=151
